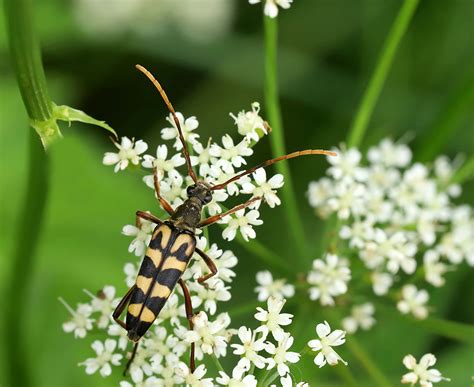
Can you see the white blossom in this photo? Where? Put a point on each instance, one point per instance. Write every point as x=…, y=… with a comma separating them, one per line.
x=195, y=378
x=208, y=336
x=129, y=152
x=272, y=319
x=249, y=123
x=389, y=154
x=324, y=344
x=80, y=322
x=413, y=301
x=263, y=188
x=328, y=278
x=281, y=355
x=268, y=287
x=271, y=6
x=214, y=290
x=230, y=155
x=243, y=222
x=381, y=283
x=238, y=379
x=161, y=161
x=249, y=348
x=434, y=268
x=104, y=303
x=362, y=316
x=188, y=125
x=105, y=357
x=142, y=235
x=421, y=372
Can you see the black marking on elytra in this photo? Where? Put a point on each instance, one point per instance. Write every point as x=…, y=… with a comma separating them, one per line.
x=180, y=254
x=147, y=268
x=169, y=277
x=155, y=243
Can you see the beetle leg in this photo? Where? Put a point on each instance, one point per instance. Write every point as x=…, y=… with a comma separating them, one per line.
x=215, y=218
x=166, y=206
x=147, y=216
x=129, y=362
x=189, y=315
x=121, y=307
x=210, y=264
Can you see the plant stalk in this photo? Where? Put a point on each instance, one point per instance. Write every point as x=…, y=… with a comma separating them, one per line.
x=277, y=141
x=17, y=296
x=379, y=76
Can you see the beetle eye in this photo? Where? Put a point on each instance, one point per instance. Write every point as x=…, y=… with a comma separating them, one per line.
x=208, y=198
x=190, y=190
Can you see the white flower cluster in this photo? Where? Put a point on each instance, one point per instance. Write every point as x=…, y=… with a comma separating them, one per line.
x=397, y=217
x=420, y=372
x=270, y=8
x=214, y=162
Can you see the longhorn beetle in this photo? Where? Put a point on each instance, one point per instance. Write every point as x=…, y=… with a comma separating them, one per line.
x=173, y=243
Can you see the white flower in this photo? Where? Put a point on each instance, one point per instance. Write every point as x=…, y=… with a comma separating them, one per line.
x=214, y=290
x=264, y=188
x=249, y=348
x=349, y=198
x=230, y=155
x=208, y=336
x=318, y=194
x=138, y=381
x=327, y=340
x=390, y=154
x=129, y=151
x=142, y=236
x=141, y=364
x=272, y=319
x=358, y=233
x=163, y=346
x=272, y=288
x=203, y=158
x=187, y=126
x=243, y=222
x=250, y=124
x=434, y=268
x=414, y=301
x=239, y=379
x=421, y=372
x=173, y=189
x=381, y=282
x=131, y=271
x=271, y=6
x=281, y=355
x=346, y=166
x=195, y=378
x=328, y=278
x=161, y=163
x=105, y=303
x=105, y=357
x=117, y=330
x=80, y=322
x=361, y=316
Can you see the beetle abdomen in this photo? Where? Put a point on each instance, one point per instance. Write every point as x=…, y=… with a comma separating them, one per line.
x=166, y=259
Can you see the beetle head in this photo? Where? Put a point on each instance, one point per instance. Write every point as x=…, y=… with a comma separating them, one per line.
x=201, y=191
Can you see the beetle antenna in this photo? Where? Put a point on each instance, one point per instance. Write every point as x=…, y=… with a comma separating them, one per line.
x=273, y=161
x=175, y=118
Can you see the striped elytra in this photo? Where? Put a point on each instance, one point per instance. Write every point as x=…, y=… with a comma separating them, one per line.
x=165, y=260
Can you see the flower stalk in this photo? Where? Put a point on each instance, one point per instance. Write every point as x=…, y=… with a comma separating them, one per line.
x=379, y=76
x=277, y=140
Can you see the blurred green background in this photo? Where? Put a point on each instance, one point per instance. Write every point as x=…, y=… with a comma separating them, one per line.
x=209, y=57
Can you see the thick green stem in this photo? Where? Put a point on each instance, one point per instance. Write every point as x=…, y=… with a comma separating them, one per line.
x=277, y=140
x=217, y=363
x=377, y=80
x=16, y=299
x=450, y=118
x=465, y=173
x=366, y=361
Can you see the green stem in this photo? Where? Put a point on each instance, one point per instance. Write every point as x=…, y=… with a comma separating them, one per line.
x=17, y=295
x=465, y=173
x=277, y=140
x=346, y=375
x=449, y=329
x=448, y=120
x=377, y=80
x=217, y=363
x=366, y=361
x=270, y=376
x=26, y=56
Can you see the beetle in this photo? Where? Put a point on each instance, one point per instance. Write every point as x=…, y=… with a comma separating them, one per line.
x=173, y=243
